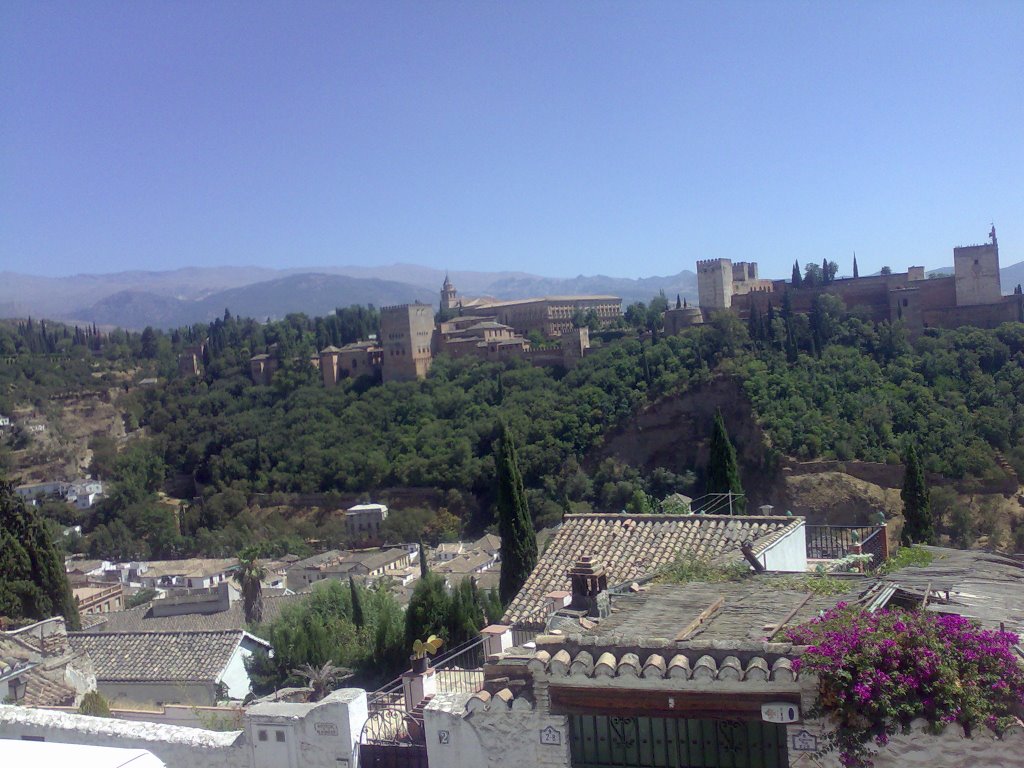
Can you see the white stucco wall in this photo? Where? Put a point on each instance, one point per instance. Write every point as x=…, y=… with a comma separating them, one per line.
x=788, y=553
x=320, y=735
x=155, y=694
x=177, y=747
x=497, y=736
x=234, y=676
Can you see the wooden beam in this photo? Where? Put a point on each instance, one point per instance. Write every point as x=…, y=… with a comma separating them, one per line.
x=704, y=615
x=566, y=700
x=789, y=616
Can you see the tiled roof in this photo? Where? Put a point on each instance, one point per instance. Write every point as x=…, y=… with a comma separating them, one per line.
x=630, y=547
x=43, y=692
x=157, y=656
x=748, y=610
x=693, y=665
x=980, y=585
x=193, y=566
x=463, y=564
x=139, y=619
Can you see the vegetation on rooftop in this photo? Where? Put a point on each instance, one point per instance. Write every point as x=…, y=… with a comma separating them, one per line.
x=689, y=567
x=906, y=557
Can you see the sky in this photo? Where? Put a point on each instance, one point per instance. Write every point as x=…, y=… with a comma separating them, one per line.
x=558, y=138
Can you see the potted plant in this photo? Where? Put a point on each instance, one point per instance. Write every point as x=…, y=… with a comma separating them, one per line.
x=421, y=649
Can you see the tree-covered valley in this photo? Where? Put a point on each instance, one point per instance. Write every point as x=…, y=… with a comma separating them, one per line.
x=828, y=385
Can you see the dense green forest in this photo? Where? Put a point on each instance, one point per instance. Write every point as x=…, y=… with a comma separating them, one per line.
x=829, y=384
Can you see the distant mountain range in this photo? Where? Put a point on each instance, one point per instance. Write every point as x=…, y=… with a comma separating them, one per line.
x=179, y=297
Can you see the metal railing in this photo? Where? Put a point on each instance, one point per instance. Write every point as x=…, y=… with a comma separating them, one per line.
x=834, y=542
x=460, y=670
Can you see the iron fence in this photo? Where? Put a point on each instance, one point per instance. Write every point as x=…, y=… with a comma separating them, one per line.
x=834, y=542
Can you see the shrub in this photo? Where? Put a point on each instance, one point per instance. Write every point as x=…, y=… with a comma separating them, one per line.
x=879, y=671
x=94, y=704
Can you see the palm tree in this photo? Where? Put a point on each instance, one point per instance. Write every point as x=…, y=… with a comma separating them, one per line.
x=250, y=575
x=321, y=679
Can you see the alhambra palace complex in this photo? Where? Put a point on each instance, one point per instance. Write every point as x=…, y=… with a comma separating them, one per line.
x=972, y=295
x=493, y=329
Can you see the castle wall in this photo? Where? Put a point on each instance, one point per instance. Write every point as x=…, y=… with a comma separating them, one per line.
x=684, y=317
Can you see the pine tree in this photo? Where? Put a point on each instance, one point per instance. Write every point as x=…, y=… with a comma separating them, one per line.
x=723, y=474
x=518, y=539
x=918, y=527
x=33, y=584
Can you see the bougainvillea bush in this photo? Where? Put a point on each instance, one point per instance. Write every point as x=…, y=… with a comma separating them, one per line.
x=878, y=671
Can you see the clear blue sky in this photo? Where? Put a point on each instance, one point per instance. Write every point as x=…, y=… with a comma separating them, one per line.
x=626, y=138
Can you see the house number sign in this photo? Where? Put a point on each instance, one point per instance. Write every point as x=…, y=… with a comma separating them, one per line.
x=551, y=735
x=325, y=729
x=444, y=737
x=804, y=741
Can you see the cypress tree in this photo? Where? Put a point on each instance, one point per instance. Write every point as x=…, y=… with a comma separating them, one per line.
x=723, y=474
x=679, y=302
x=856, y=274
x=424, y=568
x=797, y=279
x=33, y=584
x=429, y=610
x=358, y=618
x=918, y=526
x=518, y=539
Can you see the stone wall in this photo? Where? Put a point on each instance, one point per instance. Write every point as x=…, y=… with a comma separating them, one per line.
x=917, y=749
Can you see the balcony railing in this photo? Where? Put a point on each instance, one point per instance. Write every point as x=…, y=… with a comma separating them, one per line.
x=834, y=542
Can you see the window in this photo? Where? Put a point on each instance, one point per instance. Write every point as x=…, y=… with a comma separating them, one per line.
x=279, y=736
x=262, y=735
x=33, y=738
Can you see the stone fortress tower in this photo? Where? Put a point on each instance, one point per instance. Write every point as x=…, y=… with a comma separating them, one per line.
x=977, y=272
x=714, y=283
x=407, y=338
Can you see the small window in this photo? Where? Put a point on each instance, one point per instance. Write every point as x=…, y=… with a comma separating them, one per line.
x=975, y=262
x=262, y=735
x=279, y=735
x=905, y=303
x=33, y=738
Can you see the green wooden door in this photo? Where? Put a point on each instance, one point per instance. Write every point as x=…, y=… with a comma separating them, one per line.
x=600, y=741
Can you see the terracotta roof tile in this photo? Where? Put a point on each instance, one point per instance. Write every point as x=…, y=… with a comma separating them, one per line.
x=157, y=656
x=631, y=547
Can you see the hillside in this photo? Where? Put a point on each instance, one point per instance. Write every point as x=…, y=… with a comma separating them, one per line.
x=802, y=396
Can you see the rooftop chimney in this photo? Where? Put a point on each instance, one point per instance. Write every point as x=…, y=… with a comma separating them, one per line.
x=589, y=586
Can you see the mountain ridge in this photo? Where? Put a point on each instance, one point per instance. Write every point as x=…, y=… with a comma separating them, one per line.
x=137, y=298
